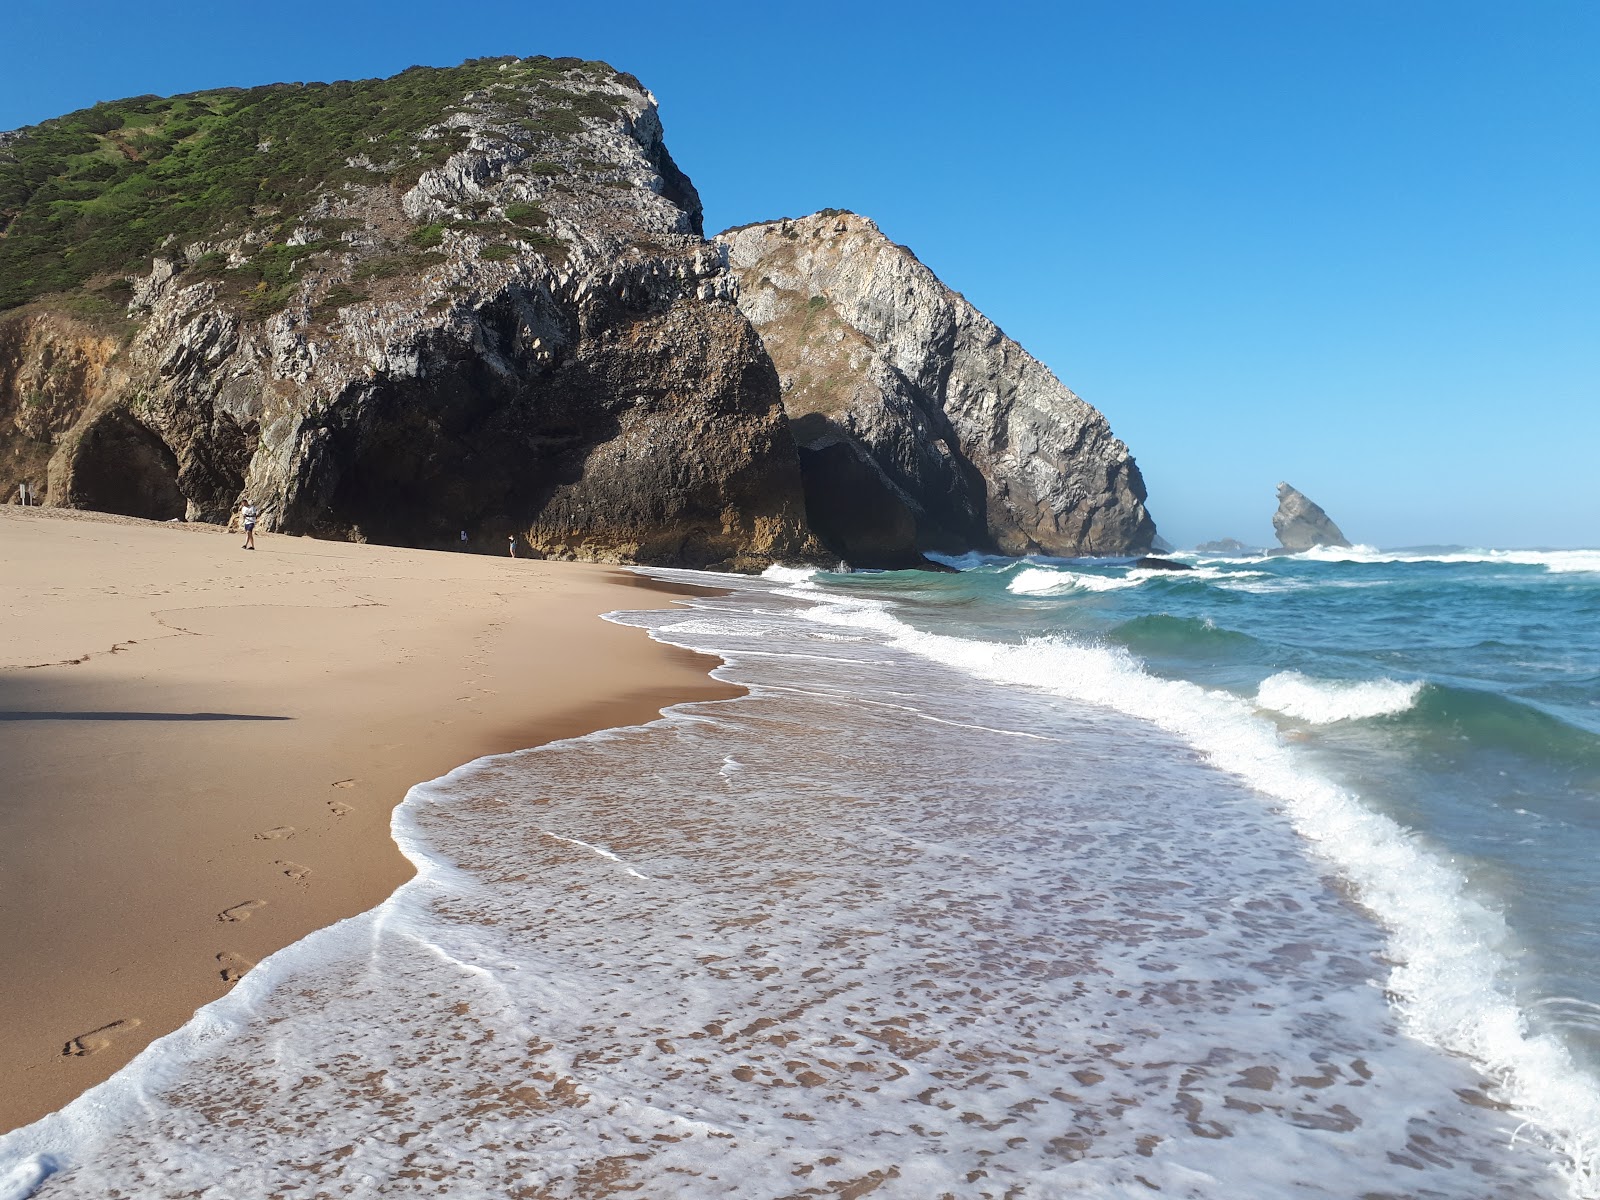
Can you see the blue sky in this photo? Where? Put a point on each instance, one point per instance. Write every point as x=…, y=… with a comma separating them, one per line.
x=1348, y=243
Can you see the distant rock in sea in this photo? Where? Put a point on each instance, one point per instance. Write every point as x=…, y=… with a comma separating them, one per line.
x=1226, y=546
x=1301, y=524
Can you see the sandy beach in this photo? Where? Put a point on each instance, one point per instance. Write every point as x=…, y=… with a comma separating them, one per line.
x=202, y=747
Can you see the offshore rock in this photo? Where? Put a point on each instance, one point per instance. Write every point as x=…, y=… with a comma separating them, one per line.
x=921, y=426
x=1301, y=525
x=524, y=333
x=1226, y=546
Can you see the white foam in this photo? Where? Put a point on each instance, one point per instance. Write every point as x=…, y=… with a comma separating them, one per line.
x=1050, y=581
x=24, y=1178
x=1324, y=701
x=1554, y=561
x=1450, y=983
x=790, y=575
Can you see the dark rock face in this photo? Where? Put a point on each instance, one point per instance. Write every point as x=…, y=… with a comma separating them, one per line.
x=1301, y=524
x=658, y=438
x=921, y=426
x=1161, y=564
x=123, y=467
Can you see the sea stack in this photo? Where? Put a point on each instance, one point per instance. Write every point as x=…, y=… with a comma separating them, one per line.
x=1301, y=524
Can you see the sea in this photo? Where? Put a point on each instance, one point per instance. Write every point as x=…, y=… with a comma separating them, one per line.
x=1274, y=877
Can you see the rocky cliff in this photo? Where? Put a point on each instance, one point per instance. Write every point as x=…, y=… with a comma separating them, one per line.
x=920, y=425
x=480, y=298
x=1301, y=524
x=503, y=319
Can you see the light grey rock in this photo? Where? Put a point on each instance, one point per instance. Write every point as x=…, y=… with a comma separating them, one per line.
x=1301, y=524
x=921, y=426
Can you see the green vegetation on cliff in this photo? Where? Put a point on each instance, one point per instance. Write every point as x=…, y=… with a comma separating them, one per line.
x=97, y=192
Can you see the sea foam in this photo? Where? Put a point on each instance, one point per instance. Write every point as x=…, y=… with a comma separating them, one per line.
x=1450, y=981
x=1047, y=581
x=1554, y=561
x=1325, y=701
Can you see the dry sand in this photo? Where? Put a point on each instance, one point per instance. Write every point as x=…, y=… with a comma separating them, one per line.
x=200, y=748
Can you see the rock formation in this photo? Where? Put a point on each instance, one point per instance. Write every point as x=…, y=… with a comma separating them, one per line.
x=480, y=298
x=921, y=426
x=524, y=332
x=1226, y=546
x=1301, y=524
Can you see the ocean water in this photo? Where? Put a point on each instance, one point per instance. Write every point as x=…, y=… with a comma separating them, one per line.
x=1044, y=878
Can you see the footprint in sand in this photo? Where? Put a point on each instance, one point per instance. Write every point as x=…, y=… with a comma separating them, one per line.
x=344, y=783
x=276, y=834
x=339, y=808
x=232, y=966
x=293, y=870
x=98, y=1039
x=240, y=912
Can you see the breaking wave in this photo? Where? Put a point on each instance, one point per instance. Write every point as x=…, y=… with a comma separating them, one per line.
x=1324, y=701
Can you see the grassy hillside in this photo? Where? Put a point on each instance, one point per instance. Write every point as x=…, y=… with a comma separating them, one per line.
x=88, y=197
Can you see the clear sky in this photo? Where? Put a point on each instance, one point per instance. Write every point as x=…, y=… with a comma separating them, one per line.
x=1353, y=244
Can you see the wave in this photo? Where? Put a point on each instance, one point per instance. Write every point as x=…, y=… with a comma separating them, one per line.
x=1037, y=580
x=1164, y=636
x=1047, y=581
x=1493, y=722
x=1554, y=561
x=1451, y=978
x=778, y=573
x=1325, y=701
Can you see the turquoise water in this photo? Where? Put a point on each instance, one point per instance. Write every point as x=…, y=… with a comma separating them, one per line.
x=1457, y=692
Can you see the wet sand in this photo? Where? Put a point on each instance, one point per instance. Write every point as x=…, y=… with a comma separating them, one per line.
x=200, y=748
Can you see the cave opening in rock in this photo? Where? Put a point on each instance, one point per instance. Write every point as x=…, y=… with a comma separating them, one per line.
x=122, y=466
x=415, y=462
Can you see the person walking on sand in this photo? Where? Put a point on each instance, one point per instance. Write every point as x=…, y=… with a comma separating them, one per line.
x=247, y=516
x=511, y=544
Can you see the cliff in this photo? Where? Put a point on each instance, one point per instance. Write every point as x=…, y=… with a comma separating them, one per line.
x=480, y=298
x=1301, y=524
x=921, y=426
x=474, y=298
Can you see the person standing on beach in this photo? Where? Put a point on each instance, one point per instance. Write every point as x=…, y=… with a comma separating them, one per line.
x=511, y=544
x=248, y=516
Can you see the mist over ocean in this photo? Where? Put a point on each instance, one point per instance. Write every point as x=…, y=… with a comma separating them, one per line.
x=1045, y=877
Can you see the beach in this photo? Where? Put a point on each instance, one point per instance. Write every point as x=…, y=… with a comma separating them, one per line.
x=906, y=898
x=202, y=747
